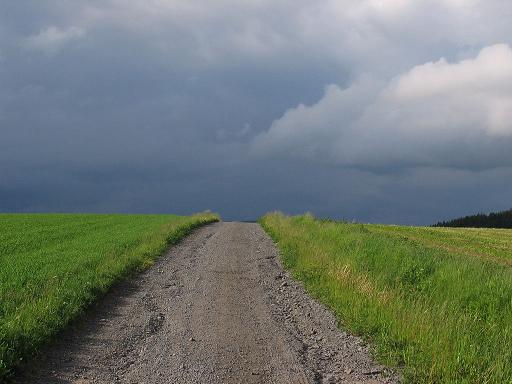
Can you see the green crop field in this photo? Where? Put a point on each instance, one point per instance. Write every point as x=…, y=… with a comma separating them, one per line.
x=52, y=266
x=435, y=302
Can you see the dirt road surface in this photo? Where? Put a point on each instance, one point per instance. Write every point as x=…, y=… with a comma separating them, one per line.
x=216, y=308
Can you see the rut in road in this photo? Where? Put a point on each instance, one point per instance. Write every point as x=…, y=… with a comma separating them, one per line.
x=216, y=308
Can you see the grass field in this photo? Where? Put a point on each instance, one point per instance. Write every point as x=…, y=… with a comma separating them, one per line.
x=436, y=302
x=52, y=266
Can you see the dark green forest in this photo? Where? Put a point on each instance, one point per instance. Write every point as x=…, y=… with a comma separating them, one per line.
x=481, y=220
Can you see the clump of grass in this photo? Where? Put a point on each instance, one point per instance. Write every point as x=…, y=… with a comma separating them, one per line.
x=435, y=302
x=52, y=266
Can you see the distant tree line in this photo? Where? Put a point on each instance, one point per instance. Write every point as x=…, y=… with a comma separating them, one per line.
x=481, y=220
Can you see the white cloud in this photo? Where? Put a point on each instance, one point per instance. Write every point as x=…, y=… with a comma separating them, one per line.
x=51, y=39
x=490, y=70
x=436, y=114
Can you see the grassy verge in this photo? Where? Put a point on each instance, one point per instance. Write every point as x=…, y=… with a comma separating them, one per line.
x=53, y=266
x=436, y=302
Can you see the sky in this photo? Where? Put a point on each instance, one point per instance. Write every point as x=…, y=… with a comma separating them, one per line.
x=388, y=111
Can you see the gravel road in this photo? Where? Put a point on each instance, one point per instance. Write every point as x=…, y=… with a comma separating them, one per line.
x=216, y=308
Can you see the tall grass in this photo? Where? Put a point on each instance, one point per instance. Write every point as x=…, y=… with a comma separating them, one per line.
x=435, y=302
x=53, y=266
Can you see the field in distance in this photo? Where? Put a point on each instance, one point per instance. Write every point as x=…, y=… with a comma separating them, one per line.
x=55, y=265
x=436, y=302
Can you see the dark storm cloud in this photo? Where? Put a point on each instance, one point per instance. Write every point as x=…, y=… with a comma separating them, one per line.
x=177, y=106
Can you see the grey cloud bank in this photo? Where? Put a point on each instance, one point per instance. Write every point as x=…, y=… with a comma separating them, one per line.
x=391, y=111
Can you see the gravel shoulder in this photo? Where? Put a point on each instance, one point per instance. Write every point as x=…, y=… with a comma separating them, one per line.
x=216, y=308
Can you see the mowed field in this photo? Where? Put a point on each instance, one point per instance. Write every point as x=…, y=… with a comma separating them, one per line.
x=436, y=302
x=52, y=266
